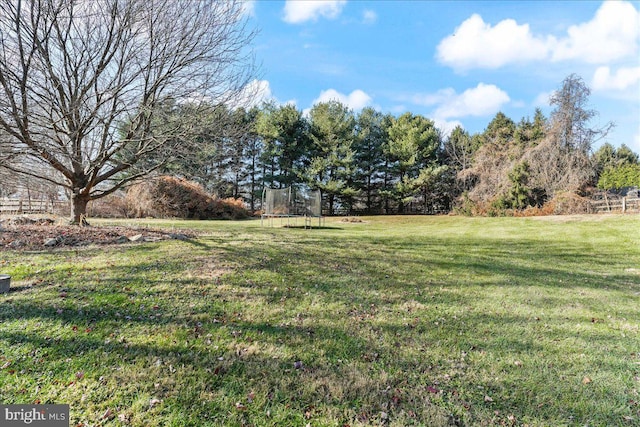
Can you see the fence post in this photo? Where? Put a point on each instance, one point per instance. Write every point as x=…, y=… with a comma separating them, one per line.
x=624, y=204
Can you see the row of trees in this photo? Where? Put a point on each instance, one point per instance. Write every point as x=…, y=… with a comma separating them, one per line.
x=372, y=162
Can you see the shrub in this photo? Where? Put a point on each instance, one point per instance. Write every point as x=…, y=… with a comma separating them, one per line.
x=171, y=197
x=569, y=203
x=115, y=205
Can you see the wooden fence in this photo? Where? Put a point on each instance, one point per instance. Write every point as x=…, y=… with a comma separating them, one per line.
x=31, y=206
x=624, y=204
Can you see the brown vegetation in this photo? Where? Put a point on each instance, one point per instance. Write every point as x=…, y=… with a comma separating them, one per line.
x=30, y=233
x=170, y=197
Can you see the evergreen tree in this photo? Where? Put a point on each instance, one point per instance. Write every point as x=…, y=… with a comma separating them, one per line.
x=369, y=157
x=413, y=141
x=284, y=133
x=332, y=167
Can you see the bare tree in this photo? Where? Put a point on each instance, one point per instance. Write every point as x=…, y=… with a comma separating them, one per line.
x=83, y=83
x=571, y=118
x=562, y=161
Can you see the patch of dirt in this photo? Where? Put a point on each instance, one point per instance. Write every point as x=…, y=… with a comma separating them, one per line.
x=28, y=234
x=351, y=219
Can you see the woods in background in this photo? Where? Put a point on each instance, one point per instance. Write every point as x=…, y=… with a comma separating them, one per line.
x=375, y=163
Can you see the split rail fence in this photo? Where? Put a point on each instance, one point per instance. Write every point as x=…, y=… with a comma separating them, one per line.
x=624, y=204
x=27, y=206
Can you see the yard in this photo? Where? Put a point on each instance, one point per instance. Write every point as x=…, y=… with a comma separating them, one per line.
x=384, y=321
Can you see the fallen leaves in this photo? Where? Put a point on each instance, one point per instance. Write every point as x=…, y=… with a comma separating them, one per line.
x=30, y=235
x=586, y=380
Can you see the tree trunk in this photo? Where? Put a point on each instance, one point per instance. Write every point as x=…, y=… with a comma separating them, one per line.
x=79, y=209
x=253, y=185
x=424, y=198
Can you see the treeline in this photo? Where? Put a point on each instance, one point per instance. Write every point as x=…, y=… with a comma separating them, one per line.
x=375, y=163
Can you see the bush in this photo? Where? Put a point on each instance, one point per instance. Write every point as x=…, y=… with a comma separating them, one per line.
x=569, y=203
x=115, y=205
x=171, y=197
x=174, y=197
x=566, y=203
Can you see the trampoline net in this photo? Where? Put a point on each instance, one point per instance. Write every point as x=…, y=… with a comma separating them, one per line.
x=292, y=201
x=277, y=201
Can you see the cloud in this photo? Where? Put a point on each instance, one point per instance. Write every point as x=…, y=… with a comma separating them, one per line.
x=612, y=34
x=476, y=44
x=356, y=100
x=482, y=100
x=249, y=7
x=369, y=17
x=297, y=12
x=446, y=127
x=622, y=79
x=253, y=94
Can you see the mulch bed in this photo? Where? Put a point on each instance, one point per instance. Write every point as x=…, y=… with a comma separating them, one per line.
x=26, y=234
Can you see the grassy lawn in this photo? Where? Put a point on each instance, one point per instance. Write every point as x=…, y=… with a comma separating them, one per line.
x=392, y=321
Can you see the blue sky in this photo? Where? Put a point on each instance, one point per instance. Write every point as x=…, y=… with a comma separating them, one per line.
x=456, y=62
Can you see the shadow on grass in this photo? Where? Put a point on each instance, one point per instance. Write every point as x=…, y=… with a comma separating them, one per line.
x=312, y=227
x=350, y=356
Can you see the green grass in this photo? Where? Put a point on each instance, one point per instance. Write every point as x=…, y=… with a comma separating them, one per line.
x=393, y=321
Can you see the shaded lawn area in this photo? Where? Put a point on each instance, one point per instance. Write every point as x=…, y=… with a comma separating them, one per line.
x=392, y=321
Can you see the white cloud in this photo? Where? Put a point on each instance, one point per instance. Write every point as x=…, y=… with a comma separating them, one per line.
x=249, y=7
x=297, y=12
x=253, y=94
x=446, y=127
x=622, y=79
x=482, y=100
x=369, y=17
x=356, y=100
x=612, y=34
x=476, y=44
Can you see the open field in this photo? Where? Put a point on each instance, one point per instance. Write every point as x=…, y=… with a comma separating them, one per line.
x=391, y=321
